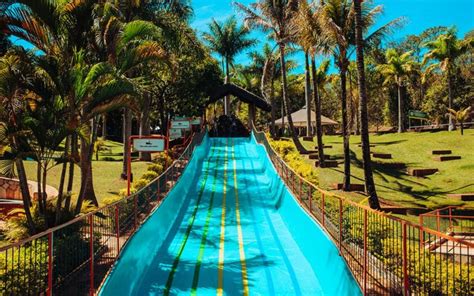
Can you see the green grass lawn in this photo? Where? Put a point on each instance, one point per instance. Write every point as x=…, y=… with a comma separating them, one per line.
x=413, y=149
x=107, y=182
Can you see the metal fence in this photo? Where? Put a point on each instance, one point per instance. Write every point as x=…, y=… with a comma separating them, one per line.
x=387, y=255
x=453, y=220
x=74, y=258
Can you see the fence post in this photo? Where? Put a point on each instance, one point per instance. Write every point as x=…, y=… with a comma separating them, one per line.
x=91, y=251
x=340, y=225
x=421, y=232
x=450, y=219
x=310, y=197
x=405, y=262
x=365, y=251
x=135, y=211
x=117, y=228
x=437, y=220
x=322, y=209
x=300, y=187
x=50, y=264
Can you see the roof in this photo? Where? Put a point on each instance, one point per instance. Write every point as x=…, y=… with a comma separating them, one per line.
x=299, y=119
x=241, y=94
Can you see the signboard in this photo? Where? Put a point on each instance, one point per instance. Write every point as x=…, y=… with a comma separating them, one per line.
x=175, y=133
x=149, y=144
x=196, y=121
x=182, y=124
x=417, y=114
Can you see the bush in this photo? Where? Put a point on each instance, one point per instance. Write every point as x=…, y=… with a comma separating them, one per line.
x=156, y=167
x=164, y=159
x=149, y=176
x=137, y=185
x=288, y=152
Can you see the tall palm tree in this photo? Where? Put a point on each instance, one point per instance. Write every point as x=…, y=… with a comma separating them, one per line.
x=397, y=70
x=276, y=18
x=445, y=50
x=364, y=120
x=320, y=77
x=336, y=20
x=228, y=39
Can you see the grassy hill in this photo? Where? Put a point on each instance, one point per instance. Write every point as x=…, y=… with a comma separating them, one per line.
x=414, y=150
x=107, y=182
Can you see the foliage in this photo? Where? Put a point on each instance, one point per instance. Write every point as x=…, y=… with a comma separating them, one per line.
x=291, y=156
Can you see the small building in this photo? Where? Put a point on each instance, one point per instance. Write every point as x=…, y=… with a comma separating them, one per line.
x=300, y=118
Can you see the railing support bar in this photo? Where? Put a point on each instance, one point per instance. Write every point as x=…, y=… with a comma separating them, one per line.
x=91, y=251
x=49, y=292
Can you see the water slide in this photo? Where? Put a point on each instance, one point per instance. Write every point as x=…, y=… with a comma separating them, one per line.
x=230, y=227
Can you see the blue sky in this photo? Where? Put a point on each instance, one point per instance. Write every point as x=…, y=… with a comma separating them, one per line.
x=420, y=14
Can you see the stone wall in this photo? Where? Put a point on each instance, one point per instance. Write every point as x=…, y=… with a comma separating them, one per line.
x=10, y=188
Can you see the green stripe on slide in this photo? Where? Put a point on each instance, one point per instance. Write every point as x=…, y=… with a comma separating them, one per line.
x=169, y=282
x=202, y=247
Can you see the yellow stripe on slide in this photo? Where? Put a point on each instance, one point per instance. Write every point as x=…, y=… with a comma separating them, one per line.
x=220, y=272
x=239, y=228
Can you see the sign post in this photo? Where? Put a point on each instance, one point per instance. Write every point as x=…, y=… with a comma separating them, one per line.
x=144, y=144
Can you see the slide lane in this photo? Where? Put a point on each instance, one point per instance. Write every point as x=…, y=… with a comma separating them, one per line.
x=234, y=232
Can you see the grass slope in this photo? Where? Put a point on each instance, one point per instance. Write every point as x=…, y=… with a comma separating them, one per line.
x=107, y=182
x=413, y=149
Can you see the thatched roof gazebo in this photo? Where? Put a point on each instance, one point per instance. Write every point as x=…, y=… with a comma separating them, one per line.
x=300, y=119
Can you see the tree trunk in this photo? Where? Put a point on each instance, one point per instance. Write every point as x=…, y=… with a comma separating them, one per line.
x=72, y=162
x=62, y=180
x=145, y=125
x=87, y=186
x=364, y=119
x=227, y=80
x=307, y=93
x=286, y=102
x=127, y=132
x=400, y=109
x=345, y=131
x=450, y=100
x=25, y=194
x=317, y=104
x=104, y=127
x=38, y=184
x=273, y=112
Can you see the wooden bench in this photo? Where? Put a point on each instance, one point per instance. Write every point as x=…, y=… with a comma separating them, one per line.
x=462, y=196
x=441, y=152
x=316, y=156
x=382, y=155
x=447, y=157
x=421, y=172
x=352, y=187
x=328, y=163
x=307, y=152
x=324, y=146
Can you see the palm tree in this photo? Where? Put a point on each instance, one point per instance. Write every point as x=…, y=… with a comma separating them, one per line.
x=228, y=40
x=367, y=162
x=445, y=50
x=276, y=18
x=460, y=116
x=396, y=70
x=336, y=20
x=11, y=127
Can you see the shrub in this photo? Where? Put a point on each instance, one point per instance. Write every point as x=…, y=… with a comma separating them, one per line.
x=149, y=176
x=288, y=152
x=137, y=185
x=164, y=159
x=156, y=167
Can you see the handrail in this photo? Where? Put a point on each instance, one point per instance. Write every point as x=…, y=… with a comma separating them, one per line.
x=94, y=212
x=105, y=229
x=364, y=235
